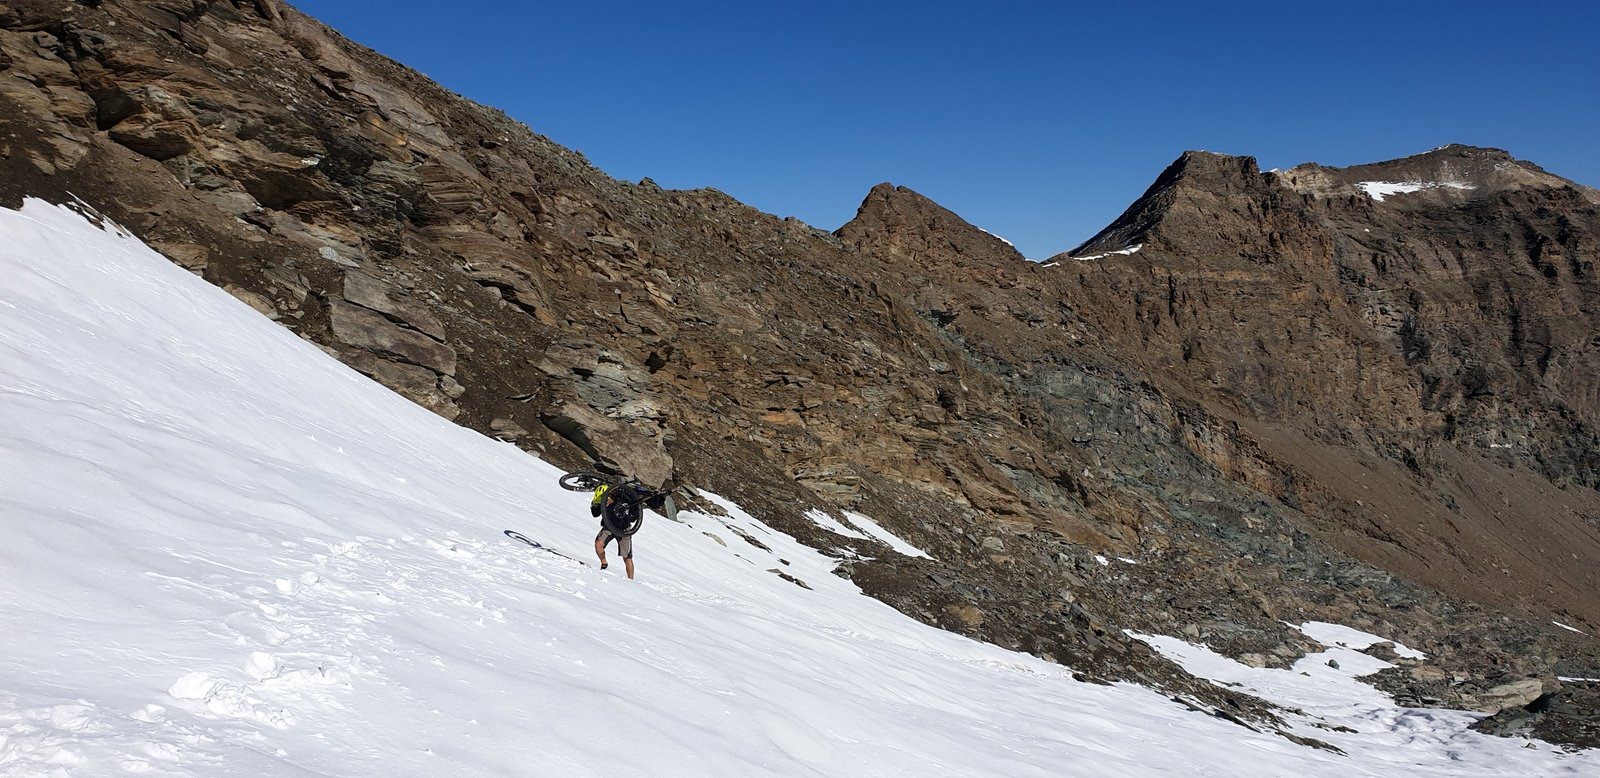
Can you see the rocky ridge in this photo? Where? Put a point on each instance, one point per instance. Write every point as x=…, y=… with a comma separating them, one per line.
x=1284, y=406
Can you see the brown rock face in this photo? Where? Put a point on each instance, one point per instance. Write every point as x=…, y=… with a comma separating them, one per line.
x=908, y=228
x=367, y=330
x=1294, y=401
x=1415, y=356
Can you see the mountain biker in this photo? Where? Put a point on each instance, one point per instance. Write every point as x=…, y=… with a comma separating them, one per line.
x=620, y=509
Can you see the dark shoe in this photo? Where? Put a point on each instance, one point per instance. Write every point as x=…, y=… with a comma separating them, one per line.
x=603, y=565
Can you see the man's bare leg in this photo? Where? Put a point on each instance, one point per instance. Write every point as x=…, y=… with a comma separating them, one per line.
x=600, y=551
x=628, y=563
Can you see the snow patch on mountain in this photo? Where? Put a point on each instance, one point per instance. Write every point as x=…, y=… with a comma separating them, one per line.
x=890, y=539
x=1349, y=637
x=1378, y=190
x=1334, y=706
x=833, y=525
x=997, y=237
x=1125, y=252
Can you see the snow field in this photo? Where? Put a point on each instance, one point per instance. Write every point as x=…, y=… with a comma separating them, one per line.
x=1378, y=190
x=835, y=526
x=888, y=538
x=860, y=527
x=1349, y=637
x=1334, y=707
x=228, y=554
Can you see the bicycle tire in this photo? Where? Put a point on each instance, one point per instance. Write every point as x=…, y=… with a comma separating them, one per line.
x=624, y=532
x=581, y=481
x=669, y=508
x=636, y=525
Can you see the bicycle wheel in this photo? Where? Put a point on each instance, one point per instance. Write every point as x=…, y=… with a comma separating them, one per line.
x=581, y=481
x=634, y=527
x=622, y=519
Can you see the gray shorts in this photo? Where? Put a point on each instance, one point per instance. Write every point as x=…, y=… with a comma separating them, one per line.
x=624, y=545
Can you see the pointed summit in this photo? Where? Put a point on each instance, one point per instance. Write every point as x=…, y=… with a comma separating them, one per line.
x=1193, y=183
x=903, y=224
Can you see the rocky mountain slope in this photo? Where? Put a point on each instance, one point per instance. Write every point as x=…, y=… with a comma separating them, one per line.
x=1292, y=401
x=228, y=553
x=1447, y=331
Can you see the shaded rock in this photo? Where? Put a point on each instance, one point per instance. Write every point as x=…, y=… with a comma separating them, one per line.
x=362, y=328
x=1569, y=716
x=640, y=409
x=154, y=137
x=789, y=578
x=234, y=202
x=513, y=284
x=831, y=476
x=506, y=429
x=369, y=292
x=610, y=442
x=190, y=256
x=612, y=245
x=256, y=301
x=600, y=377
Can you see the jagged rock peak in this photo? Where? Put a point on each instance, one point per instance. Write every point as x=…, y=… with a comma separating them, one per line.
x=1199, y=181
x=904, y=224
x=1203, y=172
x=1201, y=168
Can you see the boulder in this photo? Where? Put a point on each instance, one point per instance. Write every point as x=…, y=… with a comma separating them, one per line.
x=831, y=476
x=1427, y=674
x=190, y=256
x=367, y=330
x=506, y=429
x=604, y=380
x=613, y=443
x=369, y=292
x=1510, y=695
x=256, y=301
x=155, y=137
x=969, y=615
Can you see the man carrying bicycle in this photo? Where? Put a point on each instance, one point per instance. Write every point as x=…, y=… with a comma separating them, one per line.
x=621, y=510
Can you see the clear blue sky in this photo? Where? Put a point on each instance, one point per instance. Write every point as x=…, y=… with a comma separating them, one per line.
x=1037, y=121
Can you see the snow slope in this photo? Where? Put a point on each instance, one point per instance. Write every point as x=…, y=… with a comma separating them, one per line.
x=1378, y=190
x=227, y=554
x=1349, y=637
